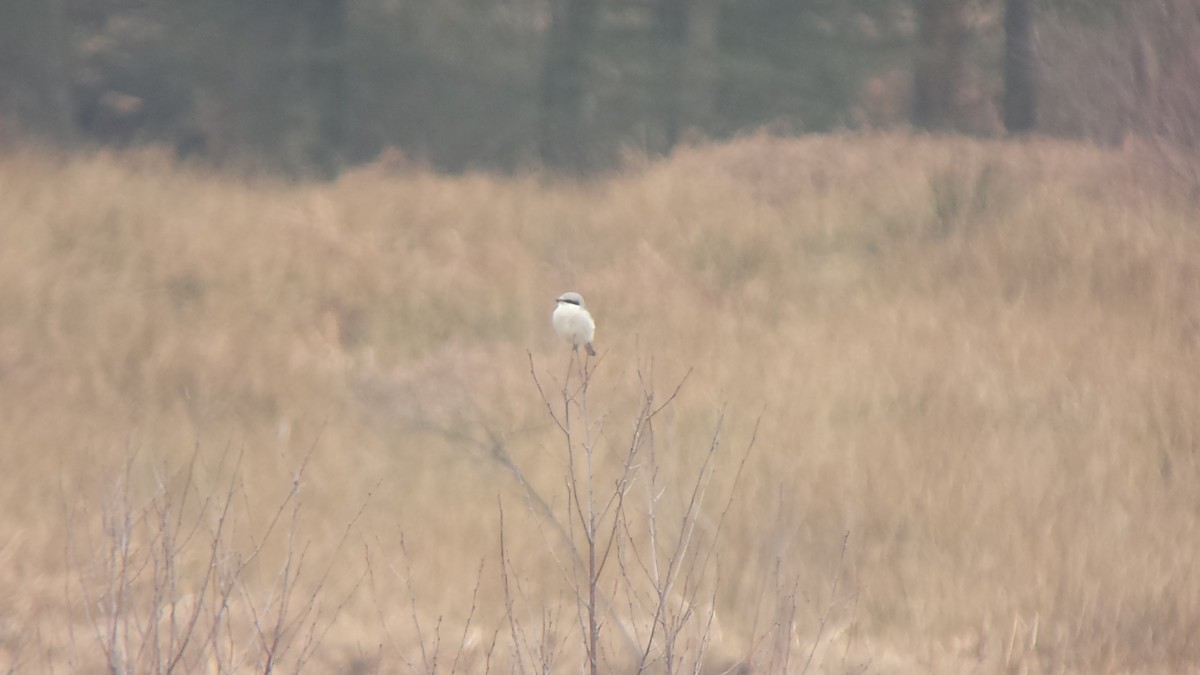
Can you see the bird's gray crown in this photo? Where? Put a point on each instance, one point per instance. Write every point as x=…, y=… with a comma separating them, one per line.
x=571, y=297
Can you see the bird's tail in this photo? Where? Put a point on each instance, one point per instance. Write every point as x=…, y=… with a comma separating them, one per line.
x=590, y=351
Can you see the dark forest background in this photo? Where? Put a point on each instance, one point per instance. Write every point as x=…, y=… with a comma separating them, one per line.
x=308, y=87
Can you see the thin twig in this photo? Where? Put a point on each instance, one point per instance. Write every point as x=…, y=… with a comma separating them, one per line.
x=837, y=577
x=508, y=603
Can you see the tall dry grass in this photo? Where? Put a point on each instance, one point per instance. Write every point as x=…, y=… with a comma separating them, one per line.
x=976, y=358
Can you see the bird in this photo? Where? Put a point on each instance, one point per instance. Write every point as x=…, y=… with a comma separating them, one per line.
x=573, y=322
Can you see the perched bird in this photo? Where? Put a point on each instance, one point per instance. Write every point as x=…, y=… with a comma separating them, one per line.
x=573, y=322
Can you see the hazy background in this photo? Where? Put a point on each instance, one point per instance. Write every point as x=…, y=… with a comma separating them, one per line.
x=275, y=288
x=308, y=87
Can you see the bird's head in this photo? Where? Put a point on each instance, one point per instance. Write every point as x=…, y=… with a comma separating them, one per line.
x=571, y=298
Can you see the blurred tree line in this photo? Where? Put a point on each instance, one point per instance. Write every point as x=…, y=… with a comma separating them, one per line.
x=310, y=86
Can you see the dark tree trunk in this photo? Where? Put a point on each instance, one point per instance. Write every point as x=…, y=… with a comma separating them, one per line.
x=672, y=22
x=327, y=78
x=938, y=67
x=313, y=139
x=688, y=30
x=564, y=141
x=1020, y=88
x=35, y=68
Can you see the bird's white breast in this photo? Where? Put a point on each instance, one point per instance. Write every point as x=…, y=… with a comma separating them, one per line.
x=573, y=323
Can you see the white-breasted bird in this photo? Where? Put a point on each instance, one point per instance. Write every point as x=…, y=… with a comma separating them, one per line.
x=573, y=322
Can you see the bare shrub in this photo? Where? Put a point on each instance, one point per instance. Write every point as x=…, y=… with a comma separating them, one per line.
x=1166, y=58
x=645, y=573
x=169, y=585
x=1134, y=74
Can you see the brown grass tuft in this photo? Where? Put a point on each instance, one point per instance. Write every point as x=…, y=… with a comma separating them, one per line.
x=977, y=358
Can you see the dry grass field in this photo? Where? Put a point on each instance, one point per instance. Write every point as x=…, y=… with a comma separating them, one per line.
x=249, y=426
